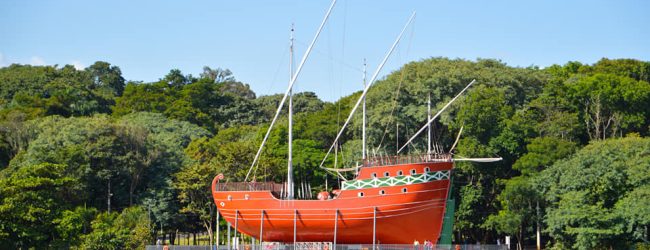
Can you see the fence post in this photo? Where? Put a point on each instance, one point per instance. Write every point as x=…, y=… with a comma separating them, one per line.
x=261, y=227
x=336, y=225
x=295, y=215
x=374, y=227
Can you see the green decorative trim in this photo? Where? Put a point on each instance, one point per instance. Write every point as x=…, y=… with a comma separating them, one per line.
x=396, y=180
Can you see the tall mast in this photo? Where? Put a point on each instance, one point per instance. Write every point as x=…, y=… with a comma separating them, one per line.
x=429, y=125
x=290, y=158
x=363, y=130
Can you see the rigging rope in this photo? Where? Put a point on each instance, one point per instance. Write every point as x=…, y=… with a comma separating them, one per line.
x=330, y=58
x=399, y=86
x=343, y=169
x=293, y=80
x=365, y=91
x=436, y=116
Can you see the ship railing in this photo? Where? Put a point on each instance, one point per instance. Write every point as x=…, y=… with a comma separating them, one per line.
x=249, y=186
x=277, y=189
x=405, y=159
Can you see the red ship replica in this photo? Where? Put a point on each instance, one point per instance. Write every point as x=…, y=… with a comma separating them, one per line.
x=391, y=200
x=399, y=202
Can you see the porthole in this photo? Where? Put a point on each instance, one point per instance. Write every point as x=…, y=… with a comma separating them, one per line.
x=427, y=170
x=229, y=197
x=404, y=190
x=360, y=194
x=382, y=192
x=386, y=174
x=374, y=175
x=413, y=172
x=400, y=173
x=246, y=196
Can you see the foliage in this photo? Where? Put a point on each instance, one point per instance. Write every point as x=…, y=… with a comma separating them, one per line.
x=590, y=194
x=542, y=153
x=76, y=139
x=613, y=105
x=206, y=102
x=304, y=102
x=72, y=225
x=127, y=230
x=34, y=195
x=60, y=91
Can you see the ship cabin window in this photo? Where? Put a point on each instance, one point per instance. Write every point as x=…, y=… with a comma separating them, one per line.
x=400, y=173
x=374, y=175
x=246, y=196
x=404, y=190
x=229, y=197
x=427, y=170
x=360, y=194
x=386, y=174
x=382, y=192
x=413, y=172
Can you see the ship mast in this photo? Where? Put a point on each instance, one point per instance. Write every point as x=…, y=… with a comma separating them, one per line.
x=290, y=157
x=429, y=125
x=363, y=130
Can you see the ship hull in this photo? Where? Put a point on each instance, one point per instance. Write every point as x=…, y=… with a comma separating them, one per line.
x=397, y=212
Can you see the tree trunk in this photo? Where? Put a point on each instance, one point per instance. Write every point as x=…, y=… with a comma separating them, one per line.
x=108, y=196
x=132, y=190
x=520, y=238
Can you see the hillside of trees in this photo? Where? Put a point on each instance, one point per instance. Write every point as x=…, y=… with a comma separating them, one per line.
x=89, y=160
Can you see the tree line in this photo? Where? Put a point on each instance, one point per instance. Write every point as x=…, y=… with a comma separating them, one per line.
x=89, y=160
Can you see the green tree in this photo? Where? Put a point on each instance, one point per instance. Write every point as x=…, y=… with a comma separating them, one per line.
x=217, y=75
x=518, y=206
x=32, y=198
x=72, y=225
x=589, y=193
x=107, y=77
x=229, y=152
x=153, y=97
x=64, y=91
x=303, y=102
x=542, y=152
x=175, y=78
x=127, y=230
x=611, y=105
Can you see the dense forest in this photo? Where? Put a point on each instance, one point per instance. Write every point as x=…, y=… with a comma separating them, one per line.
x=89, y=160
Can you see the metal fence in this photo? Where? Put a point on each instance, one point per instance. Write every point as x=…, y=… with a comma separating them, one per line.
x=329, y=246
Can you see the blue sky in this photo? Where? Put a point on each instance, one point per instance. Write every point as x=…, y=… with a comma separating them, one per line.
x=148, y=38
